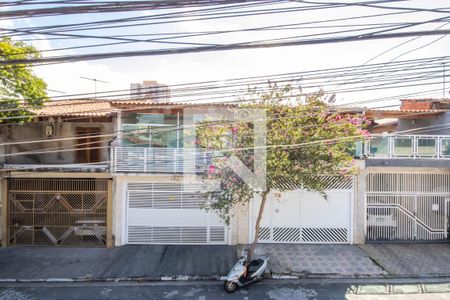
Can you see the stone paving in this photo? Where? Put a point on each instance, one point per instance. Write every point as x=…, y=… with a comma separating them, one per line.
x=411, y=259
x=318, y=259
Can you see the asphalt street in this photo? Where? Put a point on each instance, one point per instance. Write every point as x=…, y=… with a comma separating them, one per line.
x=268, y=289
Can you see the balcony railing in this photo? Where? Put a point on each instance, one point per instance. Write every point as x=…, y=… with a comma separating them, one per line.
x=407, y=146
x=160, y=160
x=87, y=167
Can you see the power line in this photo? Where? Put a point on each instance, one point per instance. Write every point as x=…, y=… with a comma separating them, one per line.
x=118, y=6
x=226, y=47
x=177, y=127
x=231, y=87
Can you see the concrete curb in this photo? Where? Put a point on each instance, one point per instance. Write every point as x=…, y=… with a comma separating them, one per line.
x=358, y=276
x=222, y=278
x=116, y=279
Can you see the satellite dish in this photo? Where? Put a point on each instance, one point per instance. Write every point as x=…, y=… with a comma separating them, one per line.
x=332, y=99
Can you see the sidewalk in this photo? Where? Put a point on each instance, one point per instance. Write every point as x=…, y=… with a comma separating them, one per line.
x=369, y=260
x=304, y=260
x=161, y=262
x=131, y=261
x=411, y=259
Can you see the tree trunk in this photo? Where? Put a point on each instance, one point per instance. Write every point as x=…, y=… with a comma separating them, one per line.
x=258, y=221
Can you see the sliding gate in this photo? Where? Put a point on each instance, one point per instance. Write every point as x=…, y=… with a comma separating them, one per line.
x=56, y=212
x=407, y=207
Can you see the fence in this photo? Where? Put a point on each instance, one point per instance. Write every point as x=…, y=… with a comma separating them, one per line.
x=407, y=207
x=407, y=146
x=160, y=160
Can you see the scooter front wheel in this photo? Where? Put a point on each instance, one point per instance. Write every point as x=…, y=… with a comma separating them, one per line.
x=230, y=286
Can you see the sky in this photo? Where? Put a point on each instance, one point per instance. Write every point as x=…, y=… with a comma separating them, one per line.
x=196, y=67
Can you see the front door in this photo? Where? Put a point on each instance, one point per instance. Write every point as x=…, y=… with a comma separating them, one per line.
x=88, y=145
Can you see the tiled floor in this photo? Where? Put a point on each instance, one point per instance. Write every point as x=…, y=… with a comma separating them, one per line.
x=411, y=258
x=319, y=259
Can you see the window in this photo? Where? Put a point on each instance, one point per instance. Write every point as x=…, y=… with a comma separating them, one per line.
x=151, y=130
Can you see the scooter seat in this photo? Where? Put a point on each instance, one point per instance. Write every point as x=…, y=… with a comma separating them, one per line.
x=254, y=265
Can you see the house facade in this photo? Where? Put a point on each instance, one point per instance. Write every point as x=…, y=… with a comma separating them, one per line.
x=56, y=185
x=98, y=173
x=406, y=175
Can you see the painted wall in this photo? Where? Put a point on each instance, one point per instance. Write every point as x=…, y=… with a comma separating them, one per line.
x=440, y=123
x=36, y=131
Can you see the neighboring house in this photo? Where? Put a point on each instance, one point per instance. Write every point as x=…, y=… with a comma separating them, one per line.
x=406, y=177
x=56, y=187
x=157, y=171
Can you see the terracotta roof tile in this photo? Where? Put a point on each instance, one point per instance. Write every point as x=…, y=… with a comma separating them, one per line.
x=149, y=102
x=380, y=114
x=103, y=107
x=79, y=108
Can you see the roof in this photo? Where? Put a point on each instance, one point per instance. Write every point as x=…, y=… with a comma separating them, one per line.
x=382, y=114
x=78, y=108
x=427, y=99
x=106, y=107
x=148, y=102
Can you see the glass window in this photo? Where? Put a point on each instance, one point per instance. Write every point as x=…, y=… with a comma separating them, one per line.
x=163, y=136
x=379, y=147
x=151, y=136
x=426, y=147
x=403, y=146
x=445, y=147
x=157, y=130
x=150, y=118
x=135, y=135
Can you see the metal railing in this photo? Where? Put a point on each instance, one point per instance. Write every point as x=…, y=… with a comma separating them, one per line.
x=159, y=160
x=406, y=146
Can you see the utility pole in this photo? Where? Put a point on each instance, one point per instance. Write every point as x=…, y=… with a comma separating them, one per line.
x=95, y=80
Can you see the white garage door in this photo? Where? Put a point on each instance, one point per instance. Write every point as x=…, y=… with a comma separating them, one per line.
x=306, y=217
x=170, y=213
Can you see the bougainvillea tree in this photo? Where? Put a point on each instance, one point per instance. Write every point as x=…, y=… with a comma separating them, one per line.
x=305, y=138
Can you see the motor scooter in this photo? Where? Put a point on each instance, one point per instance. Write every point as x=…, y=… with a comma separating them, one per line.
x=243, y=274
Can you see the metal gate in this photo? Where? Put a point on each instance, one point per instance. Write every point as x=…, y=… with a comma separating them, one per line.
x=171, y=213
x=57, y=212
x=299, y=216
x=407, y=207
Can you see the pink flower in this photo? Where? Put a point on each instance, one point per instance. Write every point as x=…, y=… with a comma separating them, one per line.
x=364, y=133
x=343, y=172
x=211, y=169
x=234, y=129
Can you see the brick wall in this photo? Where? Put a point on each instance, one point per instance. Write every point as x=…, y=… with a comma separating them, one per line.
x=418, y=105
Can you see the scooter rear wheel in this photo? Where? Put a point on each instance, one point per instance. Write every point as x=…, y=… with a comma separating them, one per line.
x=230, y=286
